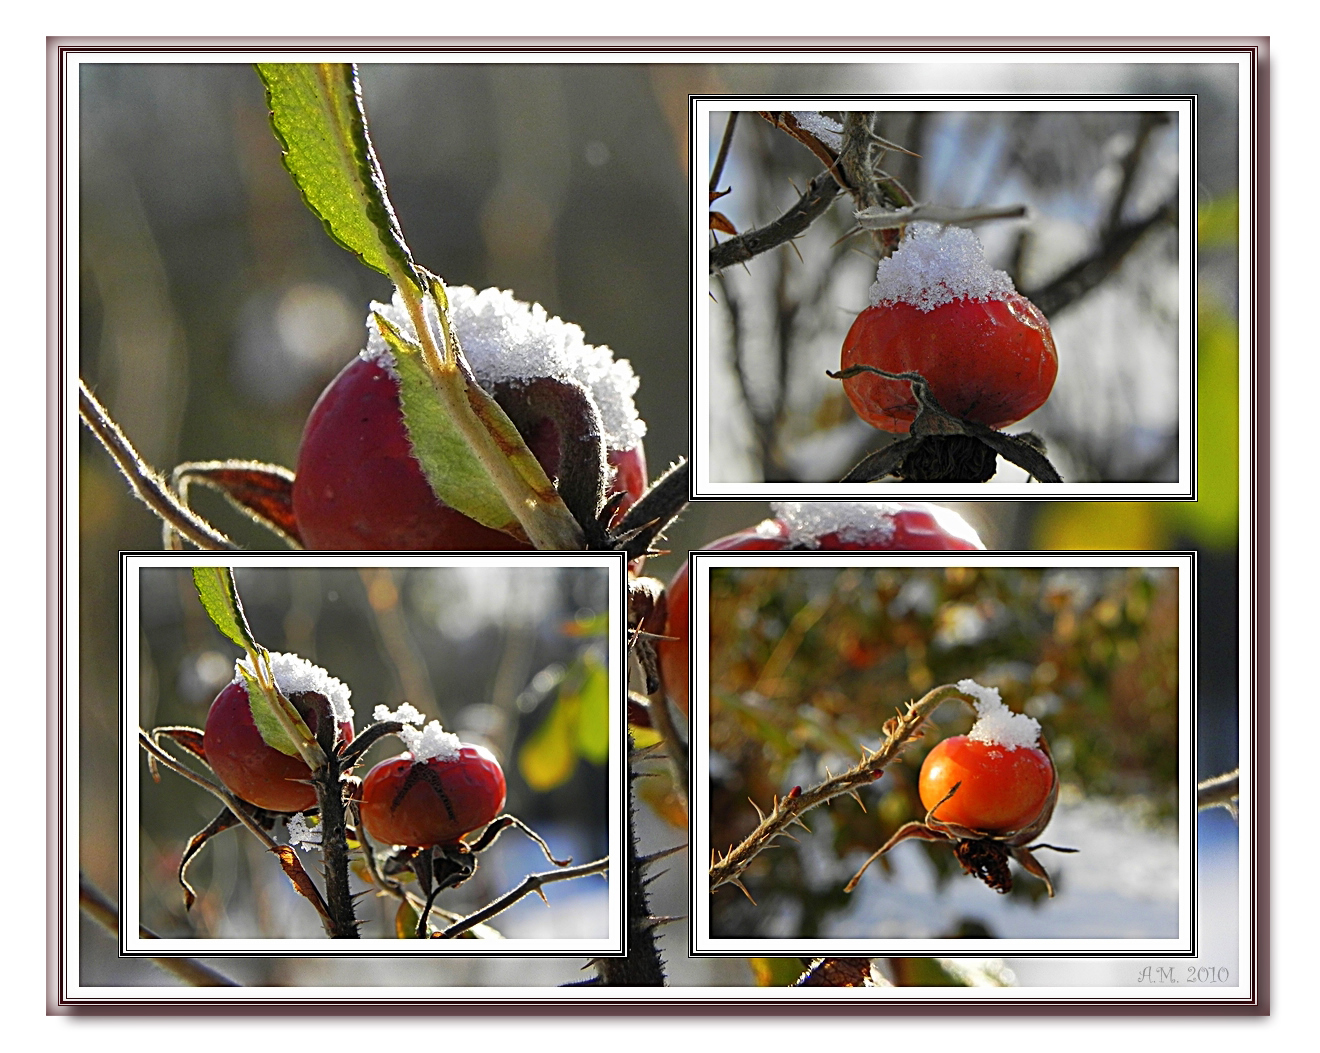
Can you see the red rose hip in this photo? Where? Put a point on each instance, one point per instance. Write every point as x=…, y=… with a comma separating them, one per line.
x=1000, y=788
x=940, y=310
x=435, y=801
x=358, y=484
x=256, y=772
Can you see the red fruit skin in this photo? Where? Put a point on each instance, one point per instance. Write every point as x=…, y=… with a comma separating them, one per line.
x=250, y=769
x=909, y=529
x=629, y=478
x=358, y=485
x=1002, y=790
x=991, y=361
x=473, y=785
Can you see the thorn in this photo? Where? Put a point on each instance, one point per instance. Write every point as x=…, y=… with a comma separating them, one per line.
x=858, y=798
x=646, y=881
x=798, y=819
x=655, y=921
x=735, y=881
x=760, y=814
x=543, y=899
x=653, y=857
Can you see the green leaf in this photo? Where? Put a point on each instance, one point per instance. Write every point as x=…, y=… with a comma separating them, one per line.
x=268, y=721
x=317, y=116
x=215, y=588
x=591, y=698
x=456, y=474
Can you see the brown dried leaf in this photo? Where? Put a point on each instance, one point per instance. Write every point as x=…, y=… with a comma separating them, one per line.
x=263, y=492
x=719, y=221
x=836, y=972
x=219, y=824
x=190, y=739
x=302, y=881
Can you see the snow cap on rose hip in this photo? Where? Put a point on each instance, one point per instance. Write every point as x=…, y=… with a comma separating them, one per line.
x=429, y=743
x=935, y=265
x=508, y=341
x=859, y=522
x=294, y=675
x=996, y=724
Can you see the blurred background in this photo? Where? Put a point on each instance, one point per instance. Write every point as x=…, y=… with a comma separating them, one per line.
x=510, y=658
x=214, y=309
x=807, y=662
x=1101, y=190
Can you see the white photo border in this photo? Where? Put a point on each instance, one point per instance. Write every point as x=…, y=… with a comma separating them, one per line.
x=1184, y=945
x=704, y=437
x=613, y=944
x=70, y=991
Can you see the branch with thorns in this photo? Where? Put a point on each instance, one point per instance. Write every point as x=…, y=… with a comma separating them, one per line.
x=900, y=733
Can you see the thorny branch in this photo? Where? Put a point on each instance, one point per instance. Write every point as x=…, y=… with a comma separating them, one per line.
x=900, y=732
x=143, y=480
x=1219, y=791
x=818, y=196
x=96, y=906
x=531, y=883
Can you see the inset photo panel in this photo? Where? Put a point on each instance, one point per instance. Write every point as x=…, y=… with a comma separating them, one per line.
x=384, y=755
x=945, y=296
x=953, y=754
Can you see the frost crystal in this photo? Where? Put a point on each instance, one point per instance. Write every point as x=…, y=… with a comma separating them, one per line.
x=996, y=724
x=506, y=340
x=406, y=713
x=430, y=742
x=293, y=674
x=808, y=521
x=822, y=128
x=936, y=265
x=301, y=834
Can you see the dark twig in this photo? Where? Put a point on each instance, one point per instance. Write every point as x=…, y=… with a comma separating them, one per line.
x=820, y=192
x=531, y=883
x=1085, y=275
x=653, y=513
x=143, y=480
x=723, y=155
x=1131, y=162
x=192, y=972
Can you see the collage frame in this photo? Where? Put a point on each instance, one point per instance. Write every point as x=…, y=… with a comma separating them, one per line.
x=1249, y=996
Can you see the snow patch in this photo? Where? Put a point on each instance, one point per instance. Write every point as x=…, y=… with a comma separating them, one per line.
x=506, y=340
x=430, y=743
x=935, y=265
x=823, y=129
x=996, y=724
x=808, y=521
x=293, y=675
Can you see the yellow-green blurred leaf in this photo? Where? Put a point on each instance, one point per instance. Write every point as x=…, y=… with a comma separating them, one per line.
x=775, y=972
x=597, y=625
x=405, y=922
x=593, y=710
x=548, y=758
x=1212, y=520
x=1217, y=222
x=1101, y=525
